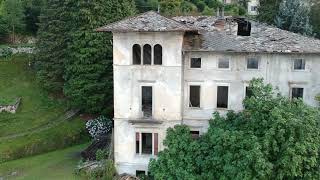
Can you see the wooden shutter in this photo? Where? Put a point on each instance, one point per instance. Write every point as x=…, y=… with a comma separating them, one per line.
x=137, y=143
x=155, y=147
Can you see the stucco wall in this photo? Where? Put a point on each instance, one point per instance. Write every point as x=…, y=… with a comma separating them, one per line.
x=166, y=81
x=274, y=68
x=171, y=82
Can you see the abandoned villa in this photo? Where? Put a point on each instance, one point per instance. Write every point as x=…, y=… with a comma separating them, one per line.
x=180, y=70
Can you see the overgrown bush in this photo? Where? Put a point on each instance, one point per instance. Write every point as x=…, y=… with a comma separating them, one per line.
x=99, y=127
x=102, y=154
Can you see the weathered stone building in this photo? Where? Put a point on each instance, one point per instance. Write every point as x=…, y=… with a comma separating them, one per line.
x=180, y=70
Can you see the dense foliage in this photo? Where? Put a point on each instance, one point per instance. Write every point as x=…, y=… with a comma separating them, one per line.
x=300, y=16
x=72, y=56
x=187, y=7
x=272, y=138
x=294, y=16
x=12, y=15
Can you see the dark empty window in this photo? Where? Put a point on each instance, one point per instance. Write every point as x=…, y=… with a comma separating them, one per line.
x=136, y=54
x=140, y=173
x=146, y=143
x=195, y=134
x=157, y=54
x=297, y=92
x=252, y=63
x=195, y=63
x=299, y=64
x=248, y=92
x=147, y=101
x=244, y=27
x=137, y=143
x=194, y=96
x=222, y=97
x=223, y=64
x=147, y=54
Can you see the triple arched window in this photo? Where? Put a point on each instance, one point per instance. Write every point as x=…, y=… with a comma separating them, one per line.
x=147, y=54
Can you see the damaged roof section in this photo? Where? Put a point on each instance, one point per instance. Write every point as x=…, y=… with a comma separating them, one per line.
x=209, y=33
x=146, y=22
x=263, y=38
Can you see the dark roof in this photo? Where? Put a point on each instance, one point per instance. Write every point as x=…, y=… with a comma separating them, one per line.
x=263, y=38
x=146, y=22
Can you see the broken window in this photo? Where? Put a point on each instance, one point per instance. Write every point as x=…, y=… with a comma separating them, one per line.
x=136, y=54
x=147, y=54
x=299, y=64
x=252, y=63
x=297, y=93
x=194, y=98
x=195, y=134
x=249, y=92
x=158, y=54
x=195, y=63
x=244, y=27
x=222, y=97
x=223, y=64
x=147, y=101
x=145, y=144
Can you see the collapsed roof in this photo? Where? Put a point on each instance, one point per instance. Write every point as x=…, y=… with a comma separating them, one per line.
x=209, y=33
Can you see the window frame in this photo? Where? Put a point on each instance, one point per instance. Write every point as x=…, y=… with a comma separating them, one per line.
x=140, y=132
x=132, y=57
x=189, y=91
x=297, y=87
x=153, y=57
x=153, y=97
x=299, y=70
x=224, y=69
x=143, y=55
x=228, y=102
x=190, y=63
x=253, y=57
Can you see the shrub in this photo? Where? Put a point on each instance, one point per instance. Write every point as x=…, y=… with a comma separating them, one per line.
x=99, y=127
x=101, y=154
x=110, y=170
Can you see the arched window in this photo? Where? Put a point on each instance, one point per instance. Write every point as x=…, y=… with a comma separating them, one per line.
x=157, y=54
x=147, y=54
x=136, y=54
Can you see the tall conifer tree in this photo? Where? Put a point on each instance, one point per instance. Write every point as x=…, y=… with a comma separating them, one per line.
x=52, y=43
x=89, y=68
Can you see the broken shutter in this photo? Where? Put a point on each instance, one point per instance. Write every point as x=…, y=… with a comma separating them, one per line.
x=137, y=143
x=155, y=150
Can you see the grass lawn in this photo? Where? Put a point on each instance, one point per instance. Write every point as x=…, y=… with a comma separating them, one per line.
x=36, y=109
x=54, y=165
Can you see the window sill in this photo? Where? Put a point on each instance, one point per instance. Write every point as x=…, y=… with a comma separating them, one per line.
x=195, y=108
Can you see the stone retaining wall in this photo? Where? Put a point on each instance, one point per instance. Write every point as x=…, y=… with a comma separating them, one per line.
x=10, y=108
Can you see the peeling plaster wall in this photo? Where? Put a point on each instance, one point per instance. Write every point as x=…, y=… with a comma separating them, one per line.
x=274, y=68
x=166, y=81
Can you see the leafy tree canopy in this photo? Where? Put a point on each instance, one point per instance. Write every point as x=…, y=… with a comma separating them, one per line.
x=272, y=138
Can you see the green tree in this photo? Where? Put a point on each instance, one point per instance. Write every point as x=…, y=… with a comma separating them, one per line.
x=294, y=15
x=170, y=7
x=315, y=18
x=53, y=39
x=12, y=13
x=32, y=9
x=272, y=138
x=88, y=68
x=268, y=10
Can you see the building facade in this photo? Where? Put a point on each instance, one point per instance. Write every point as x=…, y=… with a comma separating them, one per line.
x=170, y=71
